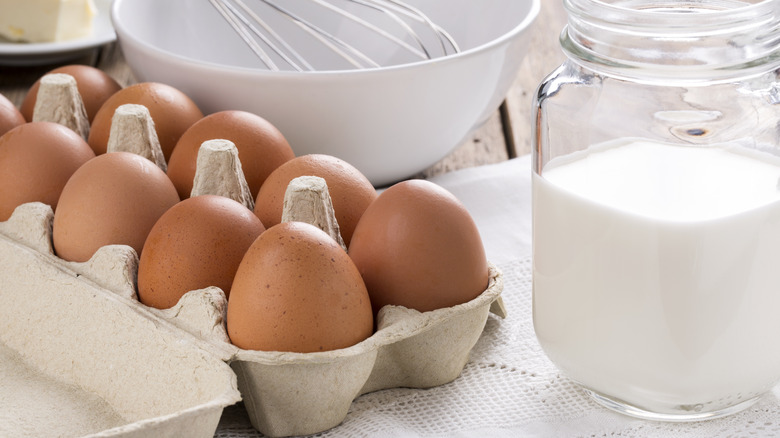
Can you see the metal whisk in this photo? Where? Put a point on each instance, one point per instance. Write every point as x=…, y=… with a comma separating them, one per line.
x=412, y=31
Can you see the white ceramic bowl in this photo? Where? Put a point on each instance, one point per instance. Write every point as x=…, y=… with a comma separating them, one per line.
x=389, y=122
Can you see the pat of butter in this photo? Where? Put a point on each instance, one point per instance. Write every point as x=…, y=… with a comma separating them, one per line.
x=40, y=21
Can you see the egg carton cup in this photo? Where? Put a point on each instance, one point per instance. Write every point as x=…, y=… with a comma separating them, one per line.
x=171, y=372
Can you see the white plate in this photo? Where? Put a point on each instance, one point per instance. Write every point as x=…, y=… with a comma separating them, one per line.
x=25, y=54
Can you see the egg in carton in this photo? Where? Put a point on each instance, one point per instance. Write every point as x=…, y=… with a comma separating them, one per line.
x=284, y=393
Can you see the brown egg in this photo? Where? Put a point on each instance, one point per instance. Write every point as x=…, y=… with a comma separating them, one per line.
x=113, y=198
x=10, y=117
x=297, y=290
x=349, y=189
x=197, y=243
x=36, y=160
x=95, y=87
x=172, y=111
x=417, y=246
x=261, y=148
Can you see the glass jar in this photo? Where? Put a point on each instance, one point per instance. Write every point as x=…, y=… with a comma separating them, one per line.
x=656, y=205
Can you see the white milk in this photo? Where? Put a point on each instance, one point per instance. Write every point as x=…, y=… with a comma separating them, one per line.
x=657, y=273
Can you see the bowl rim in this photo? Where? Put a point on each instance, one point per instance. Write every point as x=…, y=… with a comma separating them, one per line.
x=122, y=33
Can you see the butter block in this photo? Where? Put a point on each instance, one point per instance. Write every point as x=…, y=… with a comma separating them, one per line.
x=40, y=21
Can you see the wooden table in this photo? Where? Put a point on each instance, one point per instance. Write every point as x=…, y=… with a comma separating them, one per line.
x=505, y=135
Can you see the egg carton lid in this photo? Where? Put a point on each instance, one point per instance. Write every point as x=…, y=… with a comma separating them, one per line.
x=63, y=325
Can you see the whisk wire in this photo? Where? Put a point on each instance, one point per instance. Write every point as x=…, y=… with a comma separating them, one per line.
x=414, y=13
x=236, y=20
x=276, y=37
x=394, y=9
x=422, y=53
x=334, y=43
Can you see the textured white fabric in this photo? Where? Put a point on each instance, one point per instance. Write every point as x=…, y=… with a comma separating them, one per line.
x=509, y=388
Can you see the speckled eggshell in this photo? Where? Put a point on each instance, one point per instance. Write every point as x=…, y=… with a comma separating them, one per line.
x=172, y=111
x=296, y=290
x=10, y=117
x=36, y=161
x=417, y=246
x=114, y=198
x=95, y=87
x=350, y=191
x=197, y=243
x=261, y=148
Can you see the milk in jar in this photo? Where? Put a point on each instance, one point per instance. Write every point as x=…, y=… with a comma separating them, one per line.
x=657, y=273
x=656, y=159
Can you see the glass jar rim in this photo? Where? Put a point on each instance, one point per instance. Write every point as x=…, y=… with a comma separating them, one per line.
x=696, y=39
x=679, y=16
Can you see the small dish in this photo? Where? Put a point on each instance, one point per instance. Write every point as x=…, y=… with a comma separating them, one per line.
x=30, y=54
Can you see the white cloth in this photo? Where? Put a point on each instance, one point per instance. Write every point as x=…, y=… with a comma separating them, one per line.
x=509, y=388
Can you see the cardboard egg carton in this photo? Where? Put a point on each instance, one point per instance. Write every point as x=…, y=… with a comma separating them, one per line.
x=171, y=372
